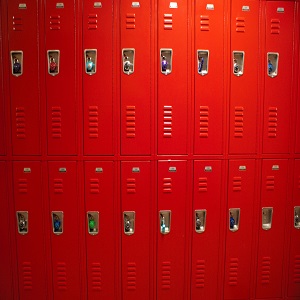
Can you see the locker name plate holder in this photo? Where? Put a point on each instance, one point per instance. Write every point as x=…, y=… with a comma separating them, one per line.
x=129, y=222
x=202, y=62
x=272, y=64
x=297, y=217
x=165, y=221
x=135, y=4
x=238, y=63
x=128, y=60
x=16, y=58
x=234, y=219
x=200, y=220
x=173, y=5
x=90, y=61
x=57, y=218
x=22, y=222
x=97, y=4
x=267, y=215
x=93, y=222
x=53, y=57
x=22, y=6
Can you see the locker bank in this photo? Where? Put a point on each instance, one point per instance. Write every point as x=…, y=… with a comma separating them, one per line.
x=150, y=150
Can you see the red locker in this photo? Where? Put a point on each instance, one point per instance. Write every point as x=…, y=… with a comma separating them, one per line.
x=97, y=58
x=6, y=279
x=244, y=58
x=297, y=147
x=136, y=67
x=171, y=230
x=293, y=222
x=209, y=107
x=60, y=62
x=206, y=234
x=137, y=208
x=2, y=119
x=278, y=75
x=172, y=60
x=100, y=229
x=30, y=233
x=64, y=229
x=23, y=31
x=269, y=276
x=239, y=228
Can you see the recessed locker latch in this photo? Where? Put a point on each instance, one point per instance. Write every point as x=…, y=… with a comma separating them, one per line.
x=16, y=58
x=22, y=222
x=90, y=59
x=200, y=220
x=272, y=62
x=165, y=221
x=129, y=220
x=128, y=60
x=234, y=219
x=166, y=61
x=267, y=214
x=53, y=57
x=57, y=222
x=238, y=62
x=93, y=222
x=202, y=61
x=297, y=217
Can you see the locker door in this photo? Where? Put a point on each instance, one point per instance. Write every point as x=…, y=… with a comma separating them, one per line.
x=271, y=229
x=171, y=231
x=172, y=77
x=6, y=287
x=297, y=147
x=2, y=119
x=23, y=31
x=239, y=228
x=294, y=225
x=30, y=233
x=60, y=77
x=278, y=78
x=209, y=107
x=244, y=57
x=206, y=233
x=64, y=229
x=100, y=229
x=97, y=76
x=135, y=72
x=136, y=223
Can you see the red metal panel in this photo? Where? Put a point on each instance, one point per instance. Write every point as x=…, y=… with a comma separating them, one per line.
x=24, y=89
x=206, y=245
x=135, y=88
x=136, y=248
x=97, y=87
x=61, y=88
x=277, y=96
x=244, y=88
x=172, y=196
x=172, y=88
x=99, y=197
x=209, y=107
x=239, y=249
x=63, y=197
x=294, y=254
x=27, y=185
x=6, y=288
x=297, y=147
x=2, y=119
x=271, y=242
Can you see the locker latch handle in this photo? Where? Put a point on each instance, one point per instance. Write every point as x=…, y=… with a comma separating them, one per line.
x=22, y=222
x=165, y=221
x=129, y=222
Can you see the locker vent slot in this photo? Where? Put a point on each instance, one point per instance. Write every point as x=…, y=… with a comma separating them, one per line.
x=94, y=186
x=61, y=276
x=200, y=273
x=20, y=123
x=240, y=25
x=167, y=185
x=131, y=276
x=131, y=186
x=27, y=275
x=204, y=114
x=168, y=121
x=58, y=186
x=17, y=23
x=266, y=270
x=270, y=183
x=92, y=21
x=55, y=22
x=96, y=277
x=166, y=275
x=275, y=26
x=130, y=121
x=272, y=124
x=202, y=184
x=93, y=122
x=238, y=122
x=204, y=23
x=23, y=186
x=237, y=184
x=130, y=21
x=168, y=21
x=56, y=122
x=233, y=272
x=297, y=269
